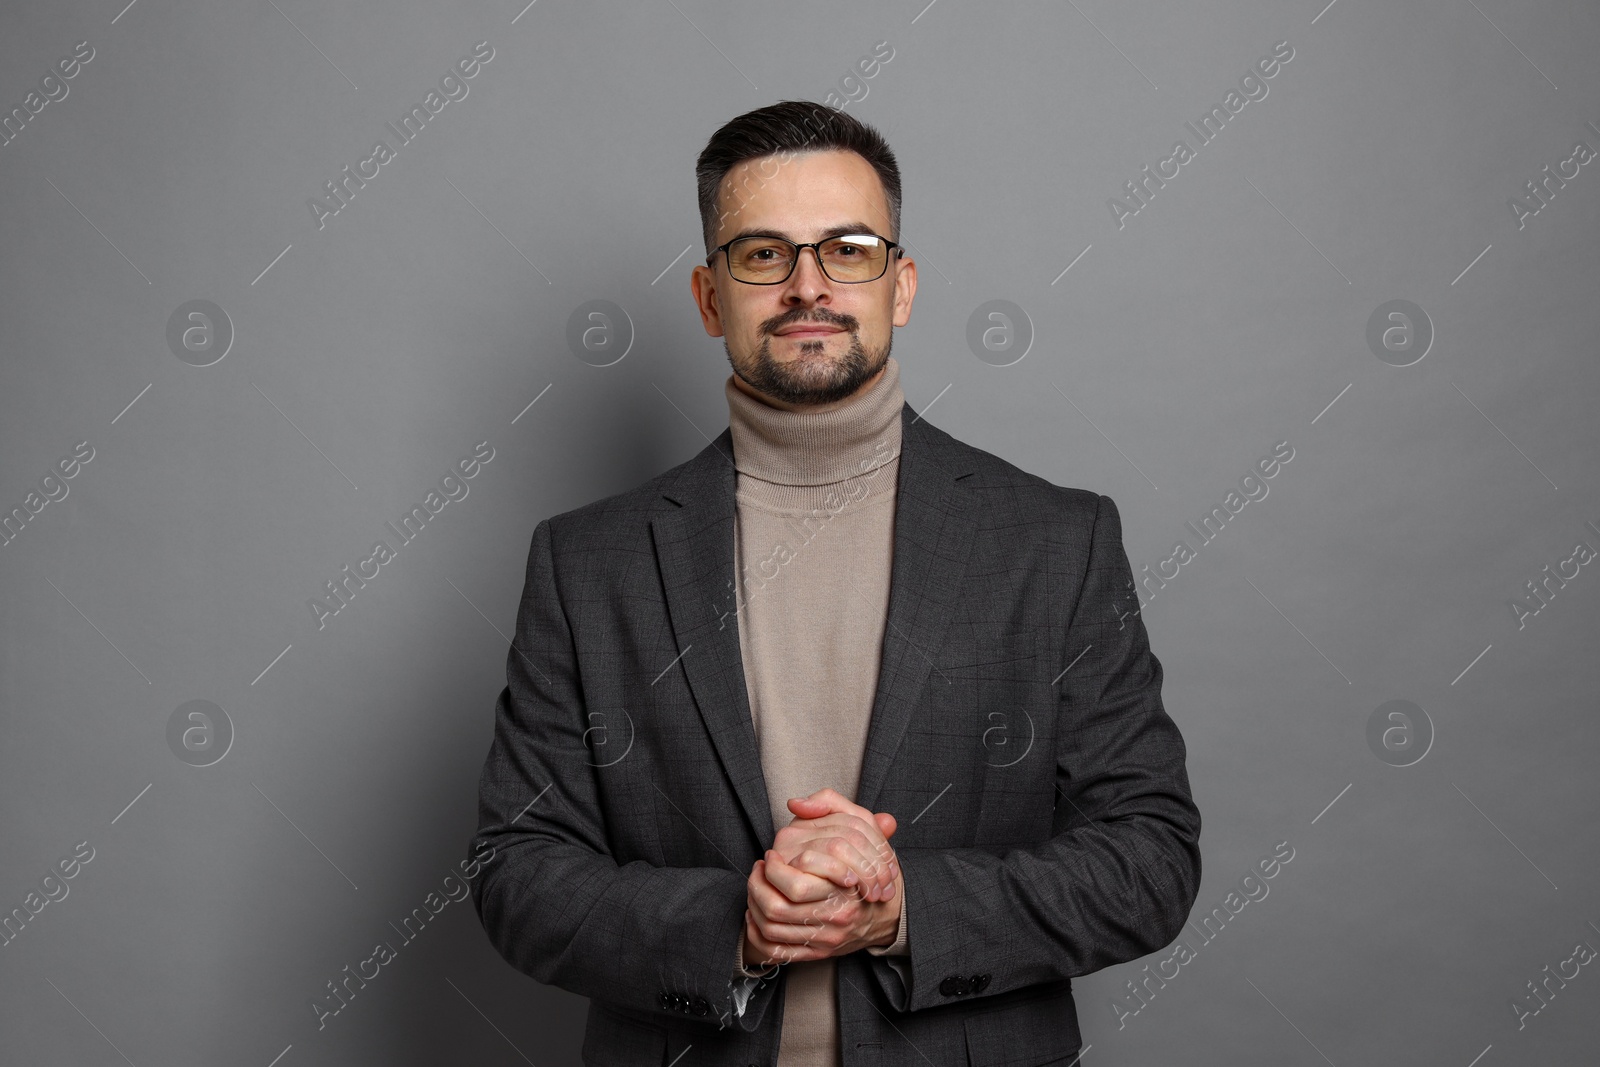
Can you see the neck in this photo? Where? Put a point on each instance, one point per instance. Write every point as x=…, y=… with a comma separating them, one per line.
x=819, y=445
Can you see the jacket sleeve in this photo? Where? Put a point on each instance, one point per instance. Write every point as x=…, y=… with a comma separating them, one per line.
x=555, y=904
x=1118, y=877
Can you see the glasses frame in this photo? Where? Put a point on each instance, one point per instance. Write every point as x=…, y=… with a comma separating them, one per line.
x=897, y=250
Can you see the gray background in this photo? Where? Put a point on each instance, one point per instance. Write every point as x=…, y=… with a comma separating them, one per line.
x=1227, y=315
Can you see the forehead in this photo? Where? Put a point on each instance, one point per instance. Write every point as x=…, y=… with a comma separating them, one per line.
x=801, y=195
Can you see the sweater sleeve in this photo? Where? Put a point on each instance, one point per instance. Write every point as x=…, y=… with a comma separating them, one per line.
x=900, y=947
x=746, y=981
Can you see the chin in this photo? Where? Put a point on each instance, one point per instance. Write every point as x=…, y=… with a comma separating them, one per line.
x=812, y=371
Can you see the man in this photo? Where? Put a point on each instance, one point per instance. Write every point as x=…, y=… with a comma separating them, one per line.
x=841, y=743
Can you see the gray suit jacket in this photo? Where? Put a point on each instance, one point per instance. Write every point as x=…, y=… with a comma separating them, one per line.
x=1046, y=827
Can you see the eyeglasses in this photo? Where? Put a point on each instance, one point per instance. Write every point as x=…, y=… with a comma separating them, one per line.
x=850, y=258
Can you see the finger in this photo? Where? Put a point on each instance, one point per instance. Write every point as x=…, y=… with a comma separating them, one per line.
x=762, y=952
x=769, y=951
x=842, y=864
x=808, y=808
x=786, y=891
x=790, y=924
x=757, y=956
x=824, y=923
x=875, y=857
x=872, y=857
x=865, y=836
x=810, y=876
x=829, y=799
x=860, y=868
x=766, y=892
x=887, y=824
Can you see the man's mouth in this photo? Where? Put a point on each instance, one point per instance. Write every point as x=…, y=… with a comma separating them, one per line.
x=806, y=331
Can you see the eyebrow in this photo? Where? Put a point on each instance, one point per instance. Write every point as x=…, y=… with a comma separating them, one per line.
x=857, y=228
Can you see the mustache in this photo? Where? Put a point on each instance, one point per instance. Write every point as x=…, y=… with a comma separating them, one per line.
x=817, y=317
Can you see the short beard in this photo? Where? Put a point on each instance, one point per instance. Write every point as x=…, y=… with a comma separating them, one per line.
x=794, y=382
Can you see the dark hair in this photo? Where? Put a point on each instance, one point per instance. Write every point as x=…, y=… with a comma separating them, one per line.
x=787, y=127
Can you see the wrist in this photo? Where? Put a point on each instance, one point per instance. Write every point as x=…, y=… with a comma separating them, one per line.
x=748, y=965
x=895, y=907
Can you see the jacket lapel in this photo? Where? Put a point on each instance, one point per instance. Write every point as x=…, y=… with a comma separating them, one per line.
x=934, y=530
x=694, y=549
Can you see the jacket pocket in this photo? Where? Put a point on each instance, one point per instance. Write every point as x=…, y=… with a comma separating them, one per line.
x=1037, y=1032
x=612, y=1039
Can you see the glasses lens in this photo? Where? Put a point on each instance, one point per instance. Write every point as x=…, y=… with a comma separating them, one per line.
x=860, y=257
x=760, y=259
x=855, y=257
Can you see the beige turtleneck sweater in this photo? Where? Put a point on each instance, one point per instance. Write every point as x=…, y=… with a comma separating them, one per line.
x=813, y=548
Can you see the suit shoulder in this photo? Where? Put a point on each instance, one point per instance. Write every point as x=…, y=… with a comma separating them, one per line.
x=994, y=477
x=595, y=524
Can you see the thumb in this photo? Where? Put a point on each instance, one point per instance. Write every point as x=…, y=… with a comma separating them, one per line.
x=814, y=807
x=886, y=824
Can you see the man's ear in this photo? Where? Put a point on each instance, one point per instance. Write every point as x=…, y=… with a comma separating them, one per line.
x=703, y=284
x=905, y=289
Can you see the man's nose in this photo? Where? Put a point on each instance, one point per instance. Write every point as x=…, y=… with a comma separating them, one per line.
x=808, y=282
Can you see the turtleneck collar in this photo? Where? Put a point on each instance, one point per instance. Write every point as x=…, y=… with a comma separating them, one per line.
x=811, y=448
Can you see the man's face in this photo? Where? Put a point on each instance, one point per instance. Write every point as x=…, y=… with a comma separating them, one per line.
x=808, y=340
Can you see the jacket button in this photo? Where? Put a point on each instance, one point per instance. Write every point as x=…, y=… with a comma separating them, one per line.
x=954, y=986
x=701, y=1006
x=981, y=982
x=665, y=1000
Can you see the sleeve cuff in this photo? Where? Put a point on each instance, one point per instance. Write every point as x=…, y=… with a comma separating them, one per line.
x=741, y=971
x=741, y=989
x=900, y=947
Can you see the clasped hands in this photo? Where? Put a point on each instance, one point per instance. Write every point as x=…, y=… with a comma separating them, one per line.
x=829, y=885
